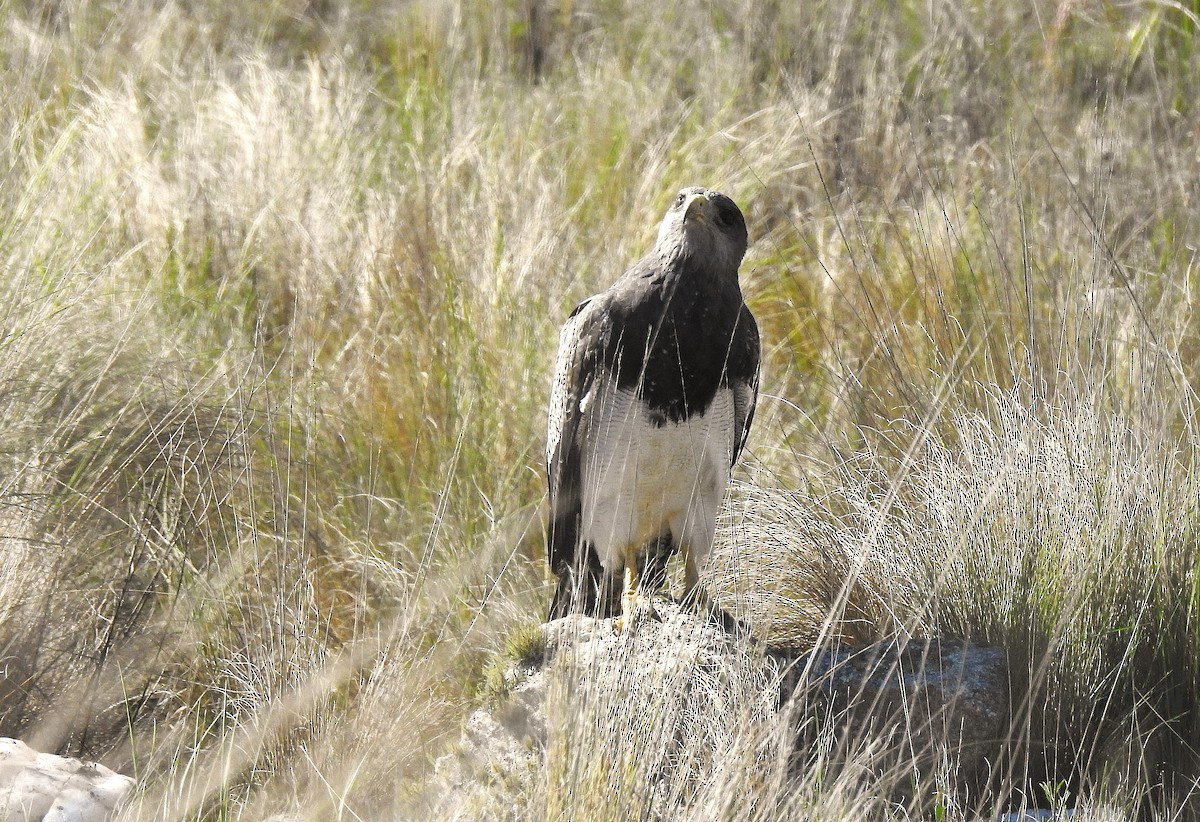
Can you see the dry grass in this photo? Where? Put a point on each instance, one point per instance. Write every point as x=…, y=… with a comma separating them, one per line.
x=281, y=283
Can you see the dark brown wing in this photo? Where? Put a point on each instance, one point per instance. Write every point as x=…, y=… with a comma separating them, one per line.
x=580, y=347
x=742, y=373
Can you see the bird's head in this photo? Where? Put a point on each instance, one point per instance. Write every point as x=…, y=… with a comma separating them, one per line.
x=703, y=224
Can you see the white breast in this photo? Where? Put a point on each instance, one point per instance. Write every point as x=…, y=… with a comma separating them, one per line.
x=640, y=480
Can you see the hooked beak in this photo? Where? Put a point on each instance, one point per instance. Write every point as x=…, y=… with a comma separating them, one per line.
x=696, y=207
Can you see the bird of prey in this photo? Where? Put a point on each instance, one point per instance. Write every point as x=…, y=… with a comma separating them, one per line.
x=653, y=395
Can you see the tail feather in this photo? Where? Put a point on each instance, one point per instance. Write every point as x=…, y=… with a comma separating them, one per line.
x=584, y=588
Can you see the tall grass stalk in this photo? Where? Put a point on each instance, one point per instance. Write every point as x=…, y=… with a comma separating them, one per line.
x=281, y=285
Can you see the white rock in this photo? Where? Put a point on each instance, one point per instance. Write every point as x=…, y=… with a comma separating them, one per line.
x=40, y=787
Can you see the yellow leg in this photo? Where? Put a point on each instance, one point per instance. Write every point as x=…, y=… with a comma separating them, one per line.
x=630, y=591
x=633, y=601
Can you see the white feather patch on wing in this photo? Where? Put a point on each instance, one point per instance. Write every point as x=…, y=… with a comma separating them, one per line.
x=641, y=480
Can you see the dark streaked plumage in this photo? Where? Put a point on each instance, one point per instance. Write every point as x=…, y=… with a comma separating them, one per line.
x=653, y=395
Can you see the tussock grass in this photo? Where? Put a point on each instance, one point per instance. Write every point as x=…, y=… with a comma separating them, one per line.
x=1060, y=533
x=280, y=290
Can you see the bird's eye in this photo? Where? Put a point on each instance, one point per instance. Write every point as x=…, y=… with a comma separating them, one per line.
x=679, y=200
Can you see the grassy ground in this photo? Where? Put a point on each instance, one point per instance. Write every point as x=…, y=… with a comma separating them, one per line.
x=281, y=284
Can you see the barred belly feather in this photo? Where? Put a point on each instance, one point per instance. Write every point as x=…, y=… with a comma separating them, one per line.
x=643, y=478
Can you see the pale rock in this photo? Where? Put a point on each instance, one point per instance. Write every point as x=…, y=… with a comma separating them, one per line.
x=693, y=683
x=41, y=787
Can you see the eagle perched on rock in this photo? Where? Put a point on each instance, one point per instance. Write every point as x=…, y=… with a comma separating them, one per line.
x=654, y=391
